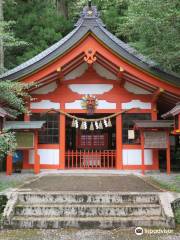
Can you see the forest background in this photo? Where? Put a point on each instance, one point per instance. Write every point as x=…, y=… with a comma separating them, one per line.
x=152, y=27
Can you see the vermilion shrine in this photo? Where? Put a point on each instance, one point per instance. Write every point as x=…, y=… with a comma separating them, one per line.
x=97, y=104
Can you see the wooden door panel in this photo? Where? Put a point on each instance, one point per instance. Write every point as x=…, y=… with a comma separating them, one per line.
x=92, y=140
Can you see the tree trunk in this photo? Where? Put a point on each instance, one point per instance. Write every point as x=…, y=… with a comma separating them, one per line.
x=1, y=37
x=62, y=8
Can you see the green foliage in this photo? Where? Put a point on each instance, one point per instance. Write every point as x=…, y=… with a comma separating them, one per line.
x=38, y=24
x=13, y=96
x=153, y=28
x=7, y=143
x=150, y=26
x=177, y=216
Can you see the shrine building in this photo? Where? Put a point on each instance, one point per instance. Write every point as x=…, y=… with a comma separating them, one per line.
x=97, y=104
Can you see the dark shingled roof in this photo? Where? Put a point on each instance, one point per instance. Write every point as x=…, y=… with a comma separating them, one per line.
x=89, y=22
x=153, y=124
x=20, y=125
x=173, y=112
x=4, y=113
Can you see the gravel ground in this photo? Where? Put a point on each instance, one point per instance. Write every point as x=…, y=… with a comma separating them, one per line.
x=124, y=183
x=73, y=234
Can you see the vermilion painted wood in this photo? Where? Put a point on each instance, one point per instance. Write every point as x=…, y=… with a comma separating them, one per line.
x=62, y=138
x=89, y=159
x=36, y=155
x=168, y=155
x=9, y=164
x=91, y=41
x=142, y=151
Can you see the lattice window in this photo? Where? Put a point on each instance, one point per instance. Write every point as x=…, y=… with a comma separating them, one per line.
x=50, y=133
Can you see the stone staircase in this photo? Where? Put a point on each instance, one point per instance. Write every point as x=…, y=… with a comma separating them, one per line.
x=103, y=210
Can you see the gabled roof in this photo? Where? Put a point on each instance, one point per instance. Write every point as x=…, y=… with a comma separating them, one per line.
x=91, y=23
x=20, y=125
x=149, y=124
x=4, y=113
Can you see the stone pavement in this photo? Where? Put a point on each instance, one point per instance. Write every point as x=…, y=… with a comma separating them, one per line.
x=122, y=183
x=73, y=234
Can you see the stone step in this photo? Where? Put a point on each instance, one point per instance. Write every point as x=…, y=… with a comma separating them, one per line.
x=89, y=197
x=87, y=222
x=88, y=210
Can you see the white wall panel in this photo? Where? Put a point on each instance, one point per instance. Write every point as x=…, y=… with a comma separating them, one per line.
x=90, y=88
x=133, y=157
x=136, y=104
x=103, y=72
x=46, y=89
x=135, y=89
x=47, y=156
x=44, y=104
x=79, y=71
x=102, y=104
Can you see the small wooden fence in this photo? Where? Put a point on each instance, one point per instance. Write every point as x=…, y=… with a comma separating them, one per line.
x=95, y=159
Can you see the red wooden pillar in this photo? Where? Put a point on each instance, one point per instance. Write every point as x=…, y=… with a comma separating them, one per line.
x=119, y=149
x=36, y=155
x=62, y=138
x=142, y=152
x=155, y=151
x=168, y=155
x=9, y=164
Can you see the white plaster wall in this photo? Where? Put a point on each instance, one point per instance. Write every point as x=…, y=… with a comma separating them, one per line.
x=46, y=89
x=133, y=157
x=79, y=71
x=31, y=156
x=135, y=89
x=136, y=104
x=47, y=156
x=90, y=88
x=44, y=104
x=103, y=72
x=102, y=104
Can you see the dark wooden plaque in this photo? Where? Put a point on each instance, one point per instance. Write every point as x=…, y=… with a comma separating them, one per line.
x=156, y=140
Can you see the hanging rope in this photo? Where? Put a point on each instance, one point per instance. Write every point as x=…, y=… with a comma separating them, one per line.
x=89, y=119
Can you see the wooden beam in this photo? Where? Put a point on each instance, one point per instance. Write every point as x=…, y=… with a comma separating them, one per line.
x=120, y=75
x=157, y=94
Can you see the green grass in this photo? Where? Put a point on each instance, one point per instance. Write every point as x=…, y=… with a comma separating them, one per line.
x=173, y=187
x=4, y=185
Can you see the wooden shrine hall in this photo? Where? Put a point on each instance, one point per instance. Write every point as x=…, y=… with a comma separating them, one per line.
x=98, y=104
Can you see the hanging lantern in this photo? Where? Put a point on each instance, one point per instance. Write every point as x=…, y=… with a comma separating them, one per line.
x=100, y=125
x=109, y=123
x=105, y=123
x=73, y=123
x=91, y=127
x=96, y=125
x=76, y=123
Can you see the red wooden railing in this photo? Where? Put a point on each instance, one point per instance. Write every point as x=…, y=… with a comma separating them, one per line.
x=90, y=159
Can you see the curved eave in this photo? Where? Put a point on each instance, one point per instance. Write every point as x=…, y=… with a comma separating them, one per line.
x=111, y=42
x=114, y=44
